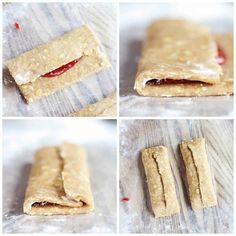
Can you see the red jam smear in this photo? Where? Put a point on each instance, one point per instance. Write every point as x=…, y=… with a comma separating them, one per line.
x=17, y=25
x=62, y=69
x=221, y=56
x=125, y=199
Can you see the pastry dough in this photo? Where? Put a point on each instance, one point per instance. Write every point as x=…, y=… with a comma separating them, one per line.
x=198, y=173
x=103, y=108
x=160, y=181
x=177, y=60
x=224, y=87
x=29, y=68
x=59, y=182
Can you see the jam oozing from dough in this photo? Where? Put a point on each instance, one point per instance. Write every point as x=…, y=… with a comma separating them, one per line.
x=171, y=81
x=221, y=56
x=61, y=69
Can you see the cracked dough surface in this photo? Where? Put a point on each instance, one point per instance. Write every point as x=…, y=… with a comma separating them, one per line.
x=160, y=181
x=201, y=190
x=59, y=182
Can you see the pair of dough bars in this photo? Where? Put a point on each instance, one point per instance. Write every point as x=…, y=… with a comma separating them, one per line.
x=181, y=58
x=161, y=182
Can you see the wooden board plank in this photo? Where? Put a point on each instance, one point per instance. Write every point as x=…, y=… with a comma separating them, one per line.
x=135, y=215
x=42, y=22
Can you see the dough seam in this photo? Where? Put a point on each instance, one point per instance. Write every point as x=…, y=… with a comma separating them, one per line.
x=200, y=185
x=59, y=184
x=197, y=173
x=161, y=180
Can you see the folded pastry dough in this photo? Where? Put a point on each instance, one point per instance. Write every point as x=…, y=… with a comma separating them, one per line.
x=59, y=63
x=59, y=182
x=160, y=181
x=103, y=108
x=198, y=173
x=178, y=58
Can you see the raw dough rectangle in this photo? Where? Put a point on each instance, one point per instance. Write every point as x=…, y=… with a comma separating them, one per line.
x=105, y=107
x=28, y=68
x=59, y=182
x=160, y=181
x=224, y=87
x=201, y=190
x=186, y=56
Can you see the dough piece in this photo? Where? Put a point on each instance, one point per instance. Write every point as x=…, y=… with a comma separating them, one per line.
x=103, y=108
x=29, y=68
x=160, y=181
x=171, y=57
x=199, y=178
x=224, y=87
x=59, y=182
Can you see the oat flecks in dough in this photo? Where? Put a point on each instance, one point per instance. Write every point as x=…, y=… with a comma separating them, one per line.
x=104, y=108
x=79, y=43
x=62, y=184
x=160, y=181
x=201, y=190
x=200, y=67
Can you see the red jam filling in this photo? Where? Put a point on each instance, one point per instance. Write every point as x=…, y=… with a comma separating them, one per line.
x=49, y=204
x=62, y=69
x=44, y=203
x=221, y=57
x=170, y=81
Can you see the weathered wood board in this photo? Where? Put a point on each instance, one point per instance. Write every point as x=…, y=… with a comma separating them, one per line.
x=136, y=215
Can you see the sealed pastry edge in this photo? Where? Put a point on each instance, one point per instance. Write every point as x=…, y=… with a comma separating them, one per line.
x=204, y=194
x=170, y=205
x=66, y=208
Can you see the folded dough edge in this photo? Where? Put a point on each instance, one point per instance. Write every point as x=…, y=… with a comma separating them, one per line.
x=59, y=182
x=223, y=87
x=167, y=54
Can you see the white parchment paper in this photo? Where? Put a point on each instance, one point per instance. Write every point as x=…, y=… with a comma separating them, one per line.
x=43, y=22
x=23, y=138
x=134, y=19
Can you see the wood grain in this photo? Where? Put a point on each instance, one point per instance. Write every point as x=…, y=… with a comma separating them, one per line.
x=135, y=215
x=42, y=22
